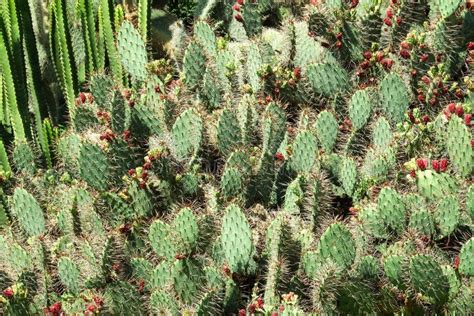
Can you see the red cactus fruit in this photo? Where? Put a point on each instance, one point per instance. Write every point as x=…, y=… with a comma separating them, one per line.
x=456, y=262
x=421, y=98
x=424, y=58
x=354, y=3
x=338, y=44
x=387, y=63
x=387, y=21
x=131, y=172
x=389, y=13
x=467, y=119
x=413, y=73
x=241, y=2
x=239, y=18
x=433, y=101
x=422, y=163
x=472, y=143
x=379, y=56
x=281, y=308
x=236, y=7
x=426, y=119
x=142, y=184
x=297, y=72
x=98, y=300
x=279, y=156
x=339, y=36
x=365, y=64
x=242, y=312
x=82, y=97
x=8, y=293
x=405, y=45
x=179, y=256
x=470, y=46
x=56, y=308
x=399, y=21
x=91, y=308
x=451, y=107
x=443, y=164
x=260, y=302
x=411, y=117
x=367, y=55
x=147, y=165
x=413, y=173
x=252, y=308
x=405, y=53
x=426, y=80
x=274, y=313
x=436, y=166
x=459, y=110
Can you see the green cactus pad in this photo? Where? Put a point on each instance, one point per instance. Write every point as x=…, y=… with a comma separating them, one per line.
x=194, y=65
x=422, y=221
x=348, y=175
x=337, y=244
x=326, y=130
x=466, y=258
x=448, y=7
x=427, y=278
x=447, y=215
x=395, y=269
x=94, y=166
x=161, y=239
x=187, y=134
x=434, y=185
x=360, y=107
x=327, y=79
x=28, y=212
x=187, y=232
x=69, y=274
x=459, y=146
x=205, y=37
x=236, y=239
x=382, y=135
x=304, y=152
x=232, y=183
x=393, y=96
x=274, y=120
x=228, y=132
x=132, y=51
x=392, y=210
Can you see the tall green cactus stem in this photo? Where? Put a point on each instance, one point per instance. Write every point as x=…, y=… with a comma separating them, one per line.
x=61, y=51
x=10, y=93
x=109, y=39
x=144, y=12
